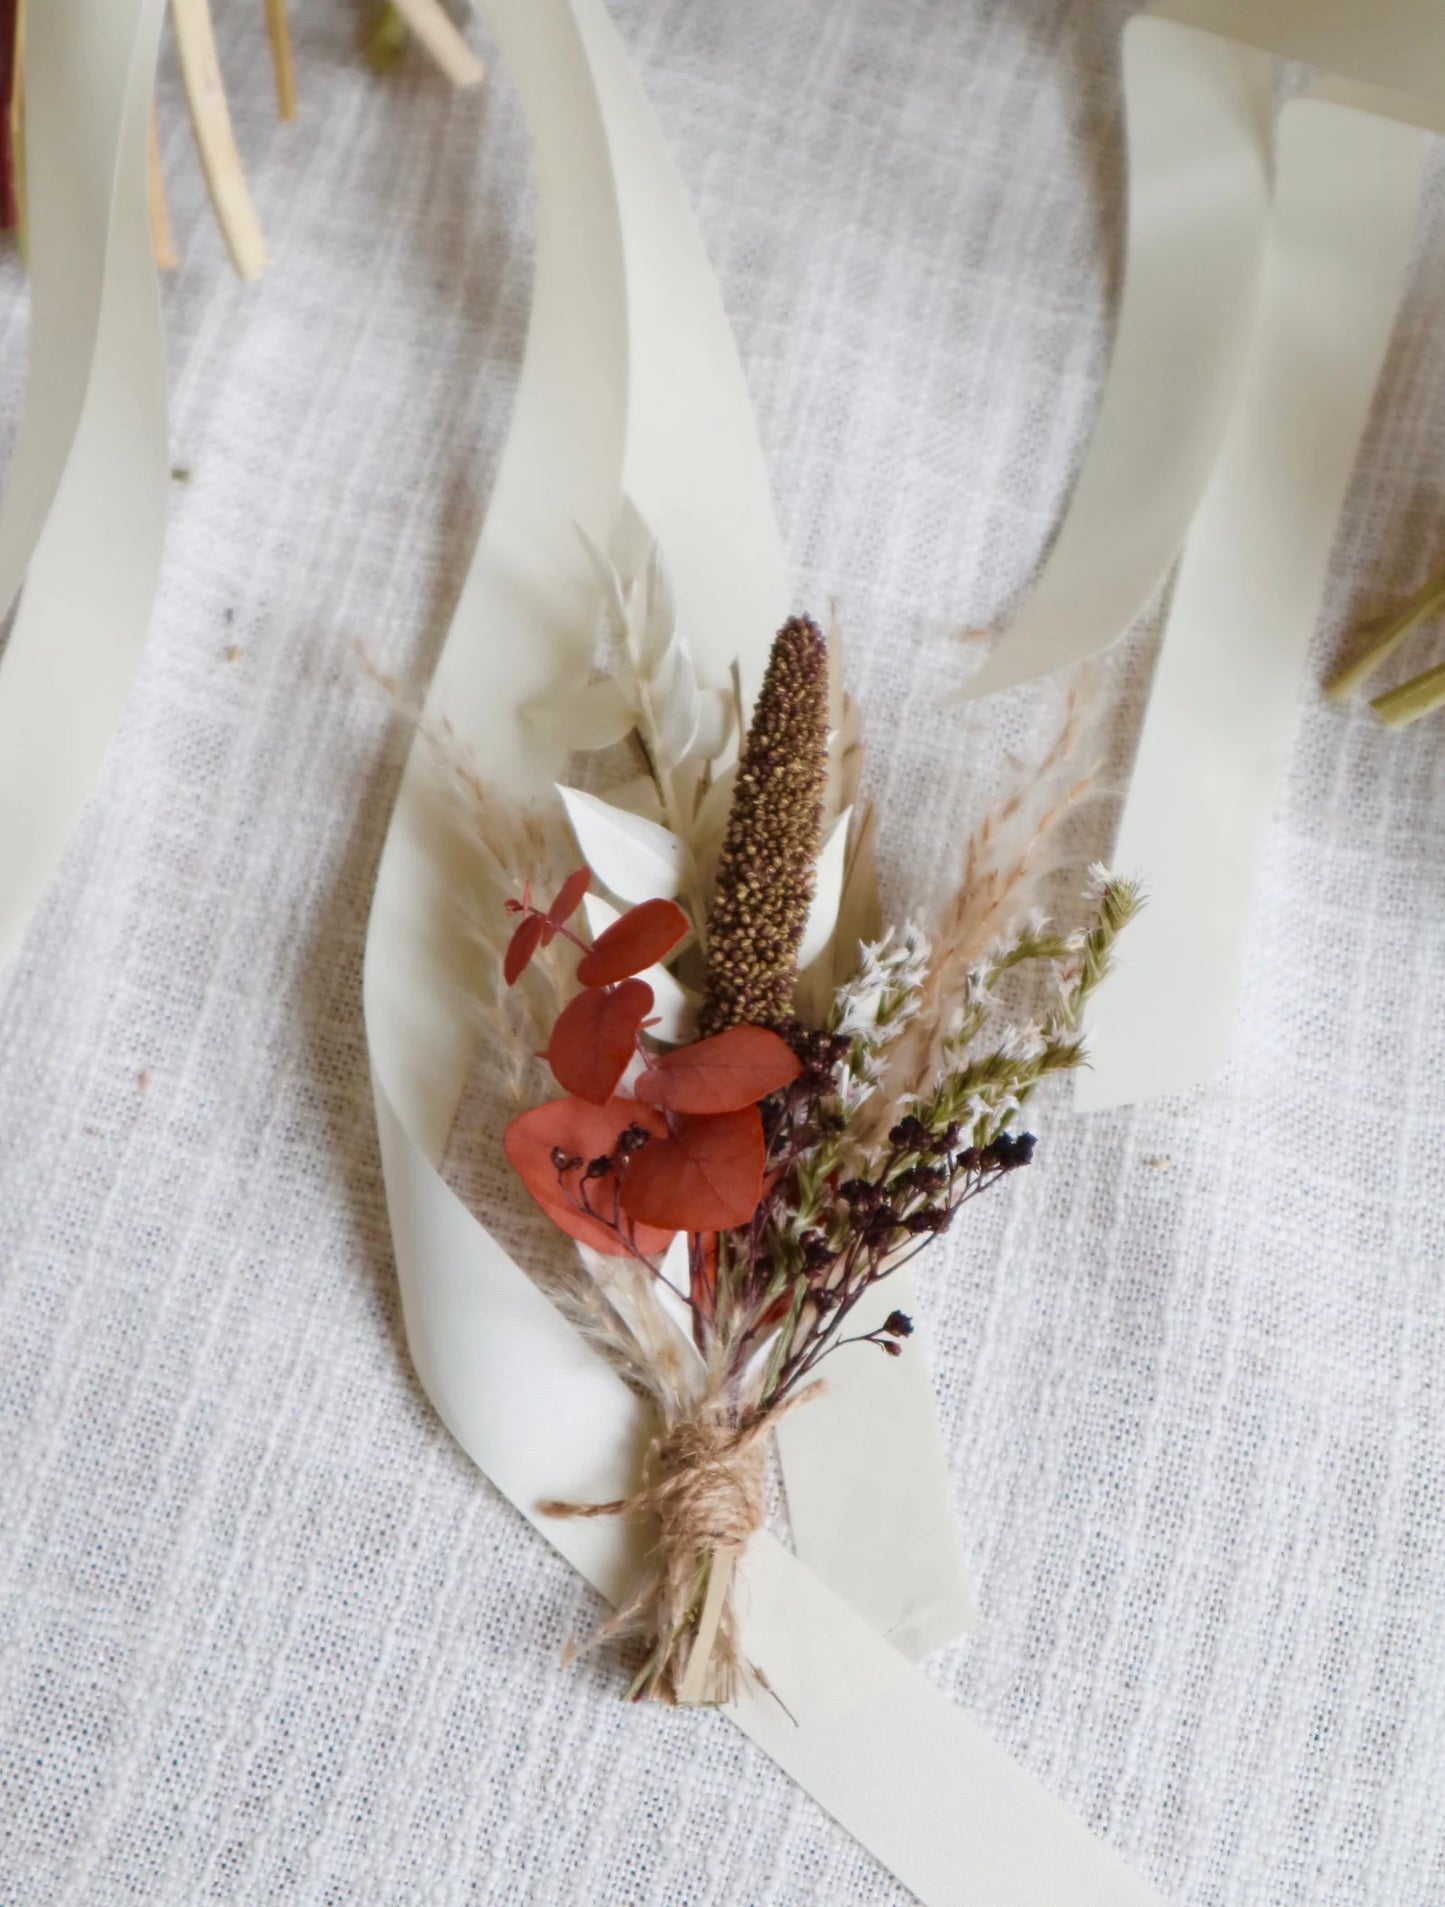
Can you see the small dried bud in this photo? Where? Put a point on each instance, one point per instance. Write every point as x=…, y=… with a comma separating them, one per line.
x=893, y=1350
x=898, y=1324
x=817, y=1252
x=921, y=1178
x=911, y=1135
x=632, y=1139
x=598, y=1168
x=1007, y=1152
x=563, y=1160
x=882, y=1224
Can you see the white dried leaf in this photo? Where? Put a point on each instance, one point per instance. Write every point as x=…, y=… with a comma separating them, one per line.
x=712, y=813
x=658, y=618
x=674, y=1008
x=632, y=540
x=613, y=602
x=860, y=914
x=597, y=715
x=637, y=859
x=714, y=722
x=675, y=705
x=827, y=891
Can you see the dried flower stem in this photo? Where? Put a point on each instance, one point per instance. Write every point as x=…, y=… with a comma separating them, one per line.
x=1428, y=600
x=1421, y=695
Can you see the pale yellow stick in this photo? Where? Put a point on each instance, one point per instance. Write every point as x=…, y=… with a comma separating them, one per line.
x=211, y=123
x=1421, y=695
x=278, y=31
x=431, y=25
x=700, y=1682
x=161, y=244
x=17, y=126
x=1427, y=600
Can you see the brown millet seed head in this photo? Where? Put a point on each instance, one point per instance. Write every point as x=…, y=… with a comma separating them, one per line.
x=770, y=850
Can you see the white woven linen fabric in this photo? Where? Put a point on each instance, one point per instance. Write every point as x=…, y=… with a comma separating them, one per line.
x=265, y=1636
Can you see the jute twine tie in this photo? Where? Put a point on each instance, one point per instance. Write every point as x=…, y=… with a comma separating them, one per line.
x=704, y=1482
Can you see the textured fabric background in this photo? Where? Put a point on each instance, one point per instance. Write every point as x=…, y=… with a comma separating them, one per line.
x=264, y=1635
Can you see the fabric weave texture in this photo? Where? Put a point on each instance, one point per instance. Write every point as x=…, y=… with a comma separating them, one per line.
x=265, y=1636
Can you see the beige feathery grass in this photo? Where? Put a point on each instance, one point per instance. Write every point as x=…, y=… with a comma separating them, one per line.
x=1002, y=866
x=510, y=844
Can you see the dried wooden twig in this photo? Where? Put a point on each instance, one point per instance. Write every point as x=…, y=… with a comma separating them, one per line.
x=433, y=28
x=161, y=242
x=215, y=141
x=278, y=31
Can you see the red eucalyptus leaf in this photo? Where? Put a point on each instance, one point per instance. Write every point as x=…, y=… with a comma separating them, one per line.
x=569, y=897
x=705, y=1176
x=584, y=1132
x=520, y=948
x=722, y=1074
x=642, y=937
x=595, y=1036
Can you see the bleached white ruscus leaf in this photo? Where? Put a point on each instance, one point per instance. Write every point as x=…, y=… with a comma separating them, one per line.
x=674, y=715
x=614, y=605
x=676, y=705
x=674, y=1006
x=636, y=859
x=716, y=723
x=827, y=891
x=860, y=912
x=596, y=715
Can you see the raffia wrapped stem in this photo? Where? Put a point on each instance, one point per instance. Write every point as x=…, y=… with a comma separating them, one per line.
x=769, y=854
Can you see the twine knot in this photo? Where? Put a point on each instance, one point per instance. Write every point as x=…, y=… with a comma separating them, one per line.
x=703, y=1482
x=706, y=1483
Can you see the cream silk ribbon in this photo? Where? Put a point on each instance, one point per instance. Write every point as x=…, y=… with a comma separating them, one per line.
x=630, y=385
x=1260, y=292
x=83, y=518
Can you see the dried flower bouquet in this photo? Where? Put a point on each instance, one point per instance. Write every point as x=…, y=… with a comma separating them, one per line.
x=768, y=1104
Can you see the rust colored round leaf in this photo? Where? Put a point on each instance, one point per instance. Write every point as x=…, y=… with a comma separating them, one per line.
x=520, y=948
x=731, y=1070
x=569, y=897
x=595, y=1036
x=706, y=1176
x=585, y=1132
x=643, y=936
